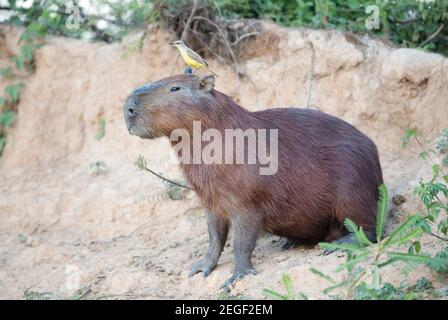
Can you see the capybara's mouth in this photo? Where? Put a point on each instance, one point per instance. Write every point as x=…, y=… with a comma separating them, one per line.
x=136, y=131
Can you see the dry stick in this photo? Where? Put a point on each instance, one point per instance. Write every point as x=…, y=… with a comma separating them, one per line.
x=185, y=32
x=218, y=56
x=166, y=179
x=226, y=43
x=435, y=34
x=244, y=36
x=187, y=25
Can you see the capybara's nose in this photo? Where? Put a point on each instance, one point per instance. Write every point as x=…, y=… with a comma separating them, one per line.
x=130, y=111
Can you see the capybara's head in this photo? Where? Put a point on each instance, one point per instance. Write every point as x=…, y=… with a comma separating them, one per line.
x=157, y=108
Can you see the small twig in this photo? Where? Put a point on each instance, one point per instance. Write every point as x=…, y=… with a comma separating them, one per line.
x=432, y=36
x=141, y=164
x=438, y=237
x=250, y=34
x=167, y=180
x=226, y=43
x=218, y=56
x=392, y=19
x=187, y=25
x=431, y=160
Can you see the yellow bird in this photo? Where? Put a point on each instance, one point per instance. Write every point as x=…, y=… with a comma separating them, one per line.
x=190, y=57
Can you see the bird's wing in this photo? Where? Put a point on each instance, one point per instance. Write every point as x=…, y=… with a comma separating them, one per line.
x=193, y=55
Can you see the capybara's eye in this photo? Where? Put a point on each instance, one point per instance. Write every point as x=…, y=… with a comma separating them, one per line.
x=174, y=89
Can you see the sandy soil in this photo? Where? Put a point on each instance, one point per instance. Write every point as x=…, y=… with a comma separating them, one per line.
x=115, y=230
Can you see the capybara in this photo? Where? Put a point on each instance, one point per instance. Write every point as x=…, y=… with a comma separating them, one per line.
x=326, y=171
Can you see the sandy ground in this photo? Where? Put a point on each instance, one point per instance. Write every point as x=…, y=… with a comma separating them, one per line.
x=65, y=225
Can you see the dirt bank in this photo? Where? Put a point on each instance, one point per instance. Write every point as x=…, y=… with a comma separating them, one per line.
x=59, y=212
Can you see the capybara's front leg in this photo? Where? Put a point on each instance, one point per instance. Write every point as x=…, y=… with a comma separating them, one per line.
x=245, y=231
x=218, y=229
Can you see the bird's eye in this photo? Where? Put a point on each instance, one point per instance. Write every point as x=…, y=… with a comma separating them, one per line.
x=174, y=89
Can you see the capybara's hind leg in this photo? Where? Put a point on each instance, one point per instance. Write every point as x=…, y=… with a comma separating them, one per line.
x=245, y=231
x=218, y=229
x=350, y=239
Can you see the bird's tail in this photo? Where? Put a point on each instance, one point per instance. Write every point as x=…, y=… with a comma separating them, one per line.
x=206, y=68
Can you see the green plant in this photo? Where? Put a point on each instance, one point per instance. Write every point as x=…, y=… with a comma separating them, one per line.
x=142, y=165
x=390, y=292
x=410, y=23
x=384, y=292
x=366, y=259
x=38, y=295
x=101, y=129
x=290, y=293
x=433, y=194
x=30, y=40
x=98, y=168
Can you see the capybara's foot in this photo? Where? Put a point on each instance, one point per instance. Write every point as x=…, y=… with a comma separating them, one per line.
x=286, y=243
x=349, y=239
x=205, y=266
x=237, y=276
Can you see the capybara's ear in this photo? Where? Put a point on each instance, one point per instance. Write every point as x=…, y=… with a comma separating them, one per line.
x=207, y=83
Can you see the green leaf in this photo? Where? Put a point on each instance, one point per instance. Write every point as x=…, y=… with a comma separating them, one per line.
x=387, y=262
x=270, y=293
x=352, y=262
x=397, y=231
x=322, y=275
x=439, y=262
x=14, y=91
x=358, y=232
x=7, y=118
x=22, y=238
x=337, y=285
x=302, y=296
x=141, y=162
x=409, y=257
x=341, y=246
x=6, y=72
x=3, y=101
x=436, y=170
x=417, y=246
x=101, y=129
x=423, y=155
x=2, y=144
x=381, y=216
x=286, y=280
x=406, y=238
x=408, y=134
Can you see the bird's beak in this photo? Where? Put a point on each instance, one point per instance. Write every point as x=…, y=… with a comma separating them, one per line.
x=172, y=42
